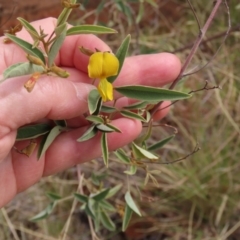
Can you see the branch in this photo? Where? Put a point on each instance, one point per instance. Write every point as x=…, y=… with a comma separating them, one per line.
x=193, y=51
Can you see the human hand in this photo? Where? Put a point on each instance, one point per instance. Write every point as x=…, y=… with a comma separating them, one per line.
x=54, y=98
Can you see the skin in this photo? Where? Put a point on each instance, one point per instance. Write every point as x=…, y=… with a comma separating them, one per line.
x=56, y=98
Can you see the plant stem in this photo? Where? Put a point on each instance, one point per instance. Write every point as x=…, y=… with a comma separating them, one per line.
x=193, y=50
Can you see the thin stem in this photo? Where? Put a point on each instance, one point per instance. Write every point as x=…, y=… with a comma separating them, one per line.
x=193, y=50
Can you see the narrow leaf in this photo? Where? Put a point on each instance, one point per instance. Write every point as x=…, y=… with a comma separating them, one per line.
x=160, y=144
x=145, y=153
x=130, y=202
x=54, y=50
x=101, y=195
x=63, y=17
x=138, y=105
x=113, y=191
x=43, y=214
x=26, y=46
x=106, y=221
x=21, y=69
x=50, y=138
x=93, y=101
x=90, y=133
x=32, y=131
x=95, y=119
x=133, y=115
x=115, y=129
x=151, y=93
x=121, y=55
x=53, y=196
x=89, y=29
x=104, y=128
x=132, y=170
x=122, y=156
x=107, y=109
x=127, y=217
x=106, y=205
x=29, y=27
x=81, y=198
x=104, y=146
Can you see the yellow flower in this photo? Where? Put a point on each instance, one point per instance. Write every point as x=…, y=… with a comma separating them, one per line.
x=103, y=65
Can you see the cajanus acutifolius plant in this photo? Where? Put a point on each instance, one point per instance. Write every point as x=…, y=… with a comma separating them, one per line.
x=103, y=68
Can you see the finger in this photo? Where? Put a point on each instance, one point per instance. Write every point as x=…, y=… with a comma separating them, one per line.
x=66, y=152
x=69, y=56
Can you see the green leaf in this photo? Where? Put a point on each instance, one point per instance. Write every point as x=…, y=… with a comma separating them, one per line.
x=44, y=214
x=89, y=209
x=133, y=115
x=89, y=29
x=106, y=205
x=140, y=13
x=160, y=144
x=90, y=133
x=151, y=93
x=106, y=221
x=27, y=47
x=130, y=202
x=21, y=69
x=104, y=128
x=121, y=55
x=63, y=17
x=132, y=170
x=55, y=47
x=100, y=196
x=61, y=123
x=32, y=131
x=127, y=217
x=50, y=138
x=53, y=196
x=95, y=119
x=115, y=129
x=94, y=100
x=107, y=109
x=113, y=191
x=81, y=198
x=122, y=156
x=104, y=146
x=138, y=105
x=58, y=30
x=141, y=152
x=29, y=27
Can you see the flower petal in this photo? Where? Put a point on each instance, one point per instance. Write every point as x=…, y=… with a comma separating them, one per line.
x=105, y=89
x=95, y=65
x=110, y=65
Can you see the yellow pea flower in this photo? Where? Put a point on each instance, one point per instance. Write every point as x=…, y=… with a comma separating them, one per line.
x=102, y=65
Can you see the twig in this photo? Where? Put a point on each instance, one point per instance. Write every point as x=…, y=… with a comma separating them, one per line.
x=9, y=223
x=216, y=36
x=196, y=149
x=224, y=39
x=193, y=51
x=205, y=87
x=67, y=225
x=195, y=14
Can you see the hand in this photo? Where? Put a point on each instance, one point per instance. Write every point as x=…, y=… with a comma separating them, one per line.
x=56, y=98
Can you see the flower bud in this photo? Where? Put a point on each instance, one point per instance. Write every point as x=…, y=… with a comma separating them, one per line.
x=35, y=60
x=86, y=51
x=29, y=85
x=59, y=71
